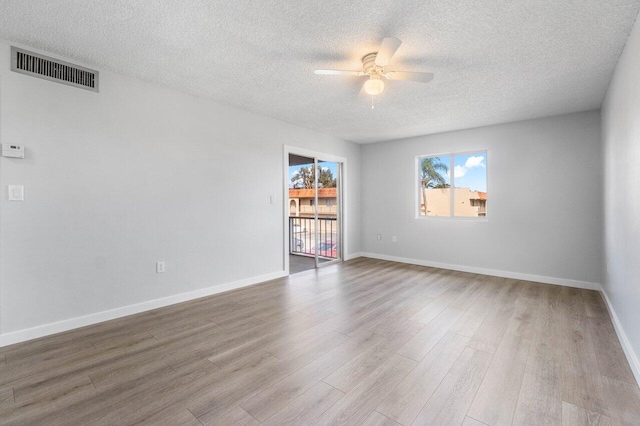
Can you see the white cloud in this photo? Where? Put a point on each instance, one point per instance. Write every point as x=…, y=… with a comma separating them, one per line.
x=474, y=162
x=459, y=171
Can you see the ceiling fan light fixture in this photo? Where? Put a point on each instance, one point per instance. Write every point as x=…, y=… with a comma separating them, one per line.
x=374, y=86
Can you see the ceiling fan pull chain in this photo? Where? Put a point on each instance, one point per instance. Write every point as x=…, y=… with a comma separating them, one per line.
x=372, y=97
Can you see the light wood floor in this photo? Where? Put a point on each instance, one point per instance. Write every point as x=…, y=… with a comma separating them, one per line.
x=365, y=342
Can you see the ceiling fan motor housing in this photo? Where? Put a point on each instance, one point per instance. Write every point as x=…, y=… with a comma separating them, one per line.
x=369, y=62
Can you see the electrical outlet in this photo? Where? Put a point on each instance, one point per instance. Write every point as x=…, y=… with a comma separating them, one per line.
x=16, y=192
x=379, y=237
x=394, y=239
x=160, y=268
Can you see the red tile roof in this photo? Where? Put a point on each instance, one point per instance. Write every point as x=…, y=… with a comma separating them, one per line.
x=310, y=193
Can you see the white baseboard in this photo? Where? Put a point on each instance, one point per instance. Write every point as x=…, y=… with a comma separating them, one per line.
x=493, y=272
x=72, y=323
x=634, y=363
x=353, y=255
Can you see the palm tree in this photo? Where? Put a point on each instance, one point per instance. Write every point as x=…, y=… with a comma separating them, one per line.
x=430, y=169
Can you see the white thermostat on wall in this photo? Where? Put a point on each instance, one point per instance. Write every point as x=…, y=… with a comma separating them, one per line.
x=13, y=151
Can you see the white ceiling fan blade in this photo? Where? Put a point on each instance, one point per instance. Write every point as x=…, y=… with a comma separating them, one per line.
x=422, y=77
x=387, y=49
x=339, y=72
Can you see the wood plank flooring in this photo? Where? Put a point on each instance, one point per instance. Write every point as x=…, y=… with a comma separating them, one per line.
x=365, y=342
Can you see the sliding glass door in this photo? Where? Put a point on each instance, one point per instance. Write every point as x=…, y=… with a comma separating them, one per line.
x=328, y=206
x=315, y=210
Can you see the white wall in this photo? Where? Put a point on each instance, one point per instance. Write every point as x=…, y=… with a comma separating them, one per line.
x=137, y=173
x=621, y=139
x=544, y=201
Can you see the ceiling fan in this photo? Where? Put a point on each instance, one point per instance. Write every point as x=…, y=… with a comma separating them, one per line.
x=375, y=66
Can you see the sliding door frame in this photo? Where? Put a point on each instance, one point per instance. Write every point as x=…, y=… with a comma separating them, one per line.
x=342, y=198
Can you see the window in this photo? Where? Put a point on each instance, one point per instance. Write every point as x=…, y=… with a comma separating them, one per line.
x=452, y=185
x=329, y=202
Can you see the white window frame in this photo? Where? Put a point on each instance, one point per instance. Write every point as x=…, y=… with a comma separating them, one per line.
x=451, y=155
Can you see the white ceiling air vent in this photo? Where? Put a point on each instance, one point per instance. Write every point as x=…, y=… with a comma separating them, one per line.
x=41, y=66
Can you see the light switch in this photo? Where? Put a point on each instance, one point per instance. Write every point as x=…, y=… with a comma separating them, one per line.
x=16, y=192
x=12, y=151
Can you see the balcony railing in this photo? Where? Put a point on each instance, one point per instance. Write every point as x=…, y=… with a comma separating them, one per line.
x=302, y=239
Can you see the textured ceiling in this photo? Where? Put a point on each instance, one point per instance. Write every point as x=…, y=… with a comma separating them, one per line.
x=494, y=61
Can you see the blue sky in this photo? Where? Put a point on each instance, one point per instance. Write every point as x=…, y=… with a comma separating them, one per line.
x=330, y=166
x=470, y=171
